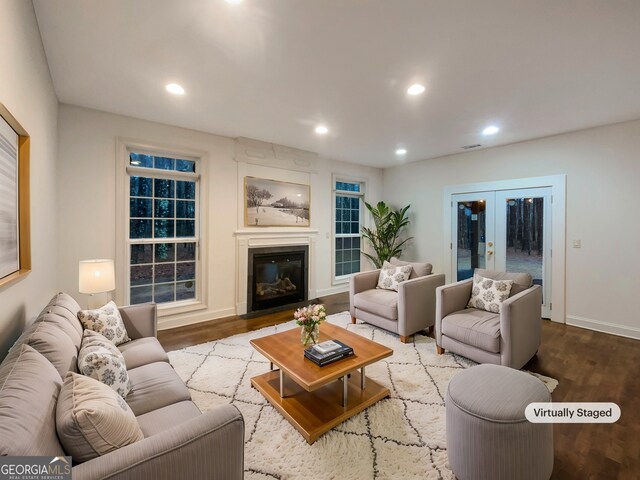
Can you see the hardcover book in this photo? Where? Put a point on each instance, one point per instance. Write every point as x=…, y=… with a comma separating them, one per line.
x=325, y=358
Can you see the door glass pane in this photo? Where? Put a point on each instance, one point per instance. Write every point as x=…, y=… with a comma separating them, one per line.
x=525, y=236
x=471, y=237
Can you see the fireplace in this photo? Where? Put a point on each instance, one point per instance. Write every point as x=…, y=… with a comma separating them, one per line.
x=277, y=276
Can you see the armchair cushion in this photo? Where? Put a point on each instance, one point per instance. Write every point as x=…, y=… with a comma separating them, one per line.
x=419, y=269
x=391, y=276
x=383, y=303
x=475, y=327
x=488, y=294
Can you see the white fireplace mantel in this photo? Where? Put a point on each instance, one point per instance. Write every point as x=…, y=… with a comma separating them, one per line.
x=272, y=237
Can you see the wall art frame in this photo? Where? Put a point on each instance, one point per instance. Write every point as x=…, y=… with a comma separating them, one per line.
x=276, y=203
x=15, y=219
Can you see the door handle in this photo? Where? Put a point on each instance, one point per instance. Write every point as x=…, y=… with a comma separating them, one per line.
x=489, y=252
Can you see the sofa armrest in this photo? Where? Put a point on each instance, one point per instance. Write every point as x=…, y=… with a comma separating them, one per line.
x=208, y=447
x=521, y=327
x=451, y=298
x=140, y=320
x=360, y=282
x=417, y=303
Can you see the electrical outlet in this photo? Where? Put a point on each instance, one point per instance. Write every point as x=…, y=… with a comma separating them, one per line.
x=577, y=244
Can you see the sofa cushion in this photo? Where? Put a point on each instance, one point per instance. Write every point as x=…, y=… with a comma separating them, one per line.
x=143, y=351
x=391, y=276
x=92, y=419
x=50, y=341
x=155, y=386
x=167, y=417
x=488, y=294
x=100, y=359
x=62, y=323
x=107, y=321
x=379, y=302
x=66, y=306
x=474, y=327
x=29, y=388
x=419, y=269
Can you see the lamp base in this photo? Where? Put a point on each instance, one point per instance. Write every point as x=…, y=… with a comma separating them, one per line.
x=97, y=300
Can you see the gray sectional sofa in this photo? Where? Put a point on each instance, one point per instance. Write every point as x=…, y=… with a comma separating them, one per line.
x=180, y=441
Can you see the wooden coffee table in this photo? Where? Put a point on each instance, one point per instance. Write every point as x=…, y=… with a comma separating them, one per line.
x=315, y=399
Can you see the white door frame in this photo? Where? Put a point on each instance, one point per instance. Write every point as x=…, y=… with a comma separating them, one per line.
x=558, y=184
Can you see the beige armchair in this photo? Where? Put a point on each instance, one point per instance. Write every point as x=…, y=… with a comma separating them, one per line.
x=510, y=338
x=405, y=312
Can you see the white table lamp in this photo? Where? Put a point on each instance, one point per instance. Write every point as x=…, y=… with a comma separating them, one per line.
x=97, y=278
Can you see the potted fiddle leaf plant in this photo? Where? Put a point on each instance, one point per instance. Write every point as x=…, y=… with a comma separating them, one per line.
x=385, y=236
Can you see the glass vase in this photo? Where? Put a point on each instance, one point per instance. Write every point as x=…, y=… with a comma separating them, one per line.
x=309, y=335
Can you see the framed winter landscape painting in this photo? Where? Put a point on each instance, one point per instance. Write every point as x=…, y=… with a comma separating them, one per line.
x=272, y=203
x=15, y=252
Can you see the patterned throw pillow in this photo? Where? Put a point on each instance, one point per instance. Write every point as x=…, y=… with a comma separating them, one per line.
x=392, y=275
x=489, y=294
x=107, y=321
x=100, y=359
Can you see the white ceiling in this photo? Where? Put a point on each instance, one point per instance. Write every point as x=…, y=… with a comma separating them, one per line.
x=273, y=69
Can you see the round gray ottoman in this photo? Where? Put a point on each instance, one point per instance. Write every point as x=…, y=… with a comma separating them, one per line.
x=488, y=436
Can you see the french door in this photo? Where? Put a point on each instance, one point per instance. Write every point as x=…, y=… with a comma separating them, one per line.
x=503, y=230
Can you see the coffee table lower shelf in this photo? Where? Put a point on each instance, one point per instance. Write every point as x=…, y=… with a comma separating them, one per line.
x=317, y=412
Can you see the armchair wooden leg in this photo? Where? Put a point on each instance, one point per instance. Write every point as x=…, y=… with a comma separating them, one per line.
x=353, y=319
x=439, y=350
x=404, y=339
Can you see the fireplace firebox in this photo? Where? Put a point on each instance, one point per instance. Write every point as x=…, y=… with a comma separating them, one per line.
x=277, y=277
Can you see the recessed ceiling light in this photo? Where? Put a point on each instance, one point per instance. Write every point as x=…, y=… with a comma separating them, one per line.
x=415, y=89
x=490, y=130
x=401, y=151
x=322, y=130
x=175, y=89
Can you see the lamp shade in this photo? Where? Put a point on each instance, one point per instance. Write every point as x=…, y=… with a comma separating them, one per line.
x=96, y=276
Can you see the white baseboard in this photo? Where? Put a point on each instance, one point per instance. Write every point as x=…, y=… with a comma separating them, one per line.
x=332, y=290
x=605, y=327
x=183, y=320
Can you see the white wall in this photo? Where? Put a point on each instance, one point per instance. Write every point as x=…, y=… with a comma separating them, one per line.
x=27, y=92
x=603, y=173
x=86, y=200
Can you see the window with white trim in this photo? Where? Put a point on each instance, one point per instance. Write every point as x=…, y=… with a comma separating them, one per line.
x=163, y=236
x=348, y=201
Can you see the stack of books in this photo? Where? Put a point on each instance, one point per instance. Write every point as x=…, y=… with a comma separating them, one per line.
x=327, y=352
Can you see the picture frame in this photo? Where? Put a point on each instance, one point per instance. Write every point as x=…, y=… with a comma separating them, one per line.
x=275, y=203
x=15, y=241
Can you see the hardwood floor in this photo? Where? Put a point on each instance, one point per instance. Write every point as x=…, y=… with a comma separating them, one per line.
x=590, y=366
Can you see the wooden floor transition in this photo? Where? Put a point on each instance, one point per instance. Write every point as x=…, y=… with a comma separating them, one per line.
x=590, y=366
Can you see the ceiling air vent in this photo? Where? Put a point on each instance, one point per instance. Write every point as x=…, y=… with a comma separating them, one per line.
x=468, y=147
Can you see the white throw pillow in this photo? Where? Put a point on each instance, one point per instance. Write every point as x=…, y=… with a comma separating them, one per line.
x=98, y=358
x=92, y=420
x=392, y=275
x=106, y=321
x=488, y=294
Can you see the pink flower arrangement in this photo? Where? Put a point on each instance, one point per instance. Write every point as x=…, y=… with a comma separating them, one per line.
x=310, y=316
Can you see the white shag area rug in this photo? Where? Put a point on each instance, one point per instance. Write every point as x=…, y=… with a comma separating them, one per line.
x=401, y=437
